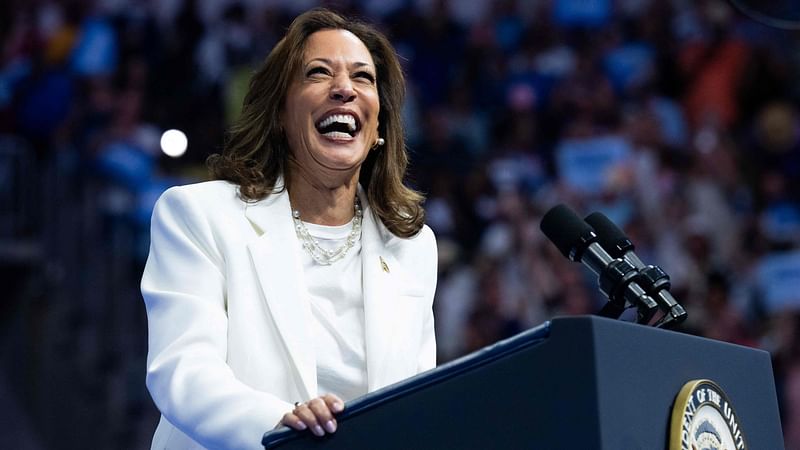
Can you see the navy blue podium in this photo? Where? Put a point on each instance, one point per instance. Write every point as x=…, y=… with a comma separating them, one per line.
x=573, y=383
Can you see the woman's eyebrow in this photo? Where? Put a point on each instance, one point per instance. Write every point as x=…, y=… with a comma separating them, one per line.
x=329, y=62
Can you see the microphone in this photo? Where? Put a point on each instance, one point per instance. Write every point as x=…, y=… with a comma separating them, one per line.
x=578, y=241
x=652, y=278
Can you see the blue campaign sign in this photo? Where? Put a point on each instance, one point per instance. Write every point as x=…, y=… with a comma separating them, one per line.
x=582, y=13
x=96, y=52
x=778, y=279
x=587, y=165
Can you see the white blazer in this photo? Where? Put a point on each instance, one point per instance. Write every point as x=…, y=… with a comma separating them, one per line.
x=230, y=347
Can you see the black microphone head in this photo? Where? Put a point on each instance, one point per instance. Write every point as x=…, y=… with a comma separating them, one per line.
x=609, y=235
x=567, y=231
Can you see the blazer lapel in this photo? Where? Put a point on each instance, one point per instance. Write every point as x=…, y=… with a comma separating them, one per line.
x=380, y=293
x=280, y=273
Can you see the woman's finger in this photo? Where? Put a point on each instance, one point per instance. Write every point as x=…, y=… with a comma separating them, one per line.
x=324, y=415
x=292, y=421
x=334, y=403
x=309, y=418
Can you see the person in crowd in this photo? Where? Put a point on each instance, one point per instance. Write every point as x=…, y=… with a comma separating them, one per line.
x=303, y=275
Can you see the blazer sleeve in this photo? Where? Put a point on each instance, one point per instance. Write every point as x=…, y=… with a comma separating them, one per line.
x=184, y=292
x=427, y=358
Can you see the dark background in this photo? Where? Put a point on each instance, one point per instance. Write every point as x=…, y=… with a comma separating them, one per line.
x=678, y=119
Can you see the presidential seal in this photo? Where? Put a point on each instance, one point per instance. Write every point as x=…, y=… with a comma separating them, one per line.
x=703, y=419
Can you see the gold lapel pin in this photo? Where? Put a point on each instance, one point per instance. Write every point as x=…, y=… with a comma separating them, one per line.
x=384, y=265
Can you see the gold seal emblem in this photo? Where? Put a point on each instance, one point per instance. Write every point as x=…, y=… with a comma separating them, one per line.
x=703, y=418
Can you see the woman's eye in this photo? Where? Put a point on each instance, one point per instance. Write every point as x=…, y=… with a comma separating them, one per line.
x=366, y=75
x=317, y=71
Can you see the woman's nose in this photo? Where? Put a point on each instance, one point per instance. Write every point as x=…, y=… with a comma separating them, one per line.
x=342, y=90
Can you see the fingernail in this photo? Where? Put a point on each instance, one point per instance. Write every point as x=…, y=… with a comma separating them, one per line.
x=301, y=425
x=330, y=426
x=317, y=430
x=338, y=407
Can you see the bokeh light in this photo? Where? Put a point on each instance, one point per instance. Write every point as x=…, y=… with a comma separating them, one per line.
x=174, y=143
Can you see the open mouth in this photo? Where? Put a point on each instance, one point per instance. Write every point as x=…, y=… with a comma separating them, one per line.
x=339, y=126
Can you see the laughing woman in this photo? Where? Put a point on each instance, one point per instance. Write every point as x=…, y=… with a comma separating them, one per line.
x=303, y=276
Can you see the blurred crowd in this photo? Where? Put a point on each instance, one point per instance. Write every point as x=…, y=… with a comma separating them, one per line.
x=677, y=119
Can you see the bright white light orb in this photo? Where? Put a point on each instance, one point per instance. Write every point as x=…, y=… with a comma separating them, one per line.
x=174, y=143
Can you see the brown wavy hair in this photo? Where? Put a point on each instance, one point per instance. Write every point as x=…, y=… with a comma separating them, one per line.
x=256, y=151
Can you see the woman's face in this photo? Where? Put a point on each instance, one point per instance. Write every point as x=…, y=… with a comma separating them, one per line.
x=331, y=111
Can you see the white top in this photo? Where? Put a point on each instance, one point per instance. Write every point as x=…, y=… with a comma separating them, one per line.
x=337, y=306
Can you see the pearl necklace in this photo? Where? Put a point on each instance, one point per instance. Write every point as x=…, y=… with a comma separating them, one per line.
x=319, y=254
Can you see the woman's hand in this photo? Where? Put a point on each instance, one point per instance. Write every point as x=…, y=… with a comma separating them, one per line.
x=315, y=415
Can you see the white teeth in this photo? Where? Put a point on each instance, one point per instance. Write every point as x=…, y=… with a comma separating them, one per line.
x=347, y=119
x=337, y=135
